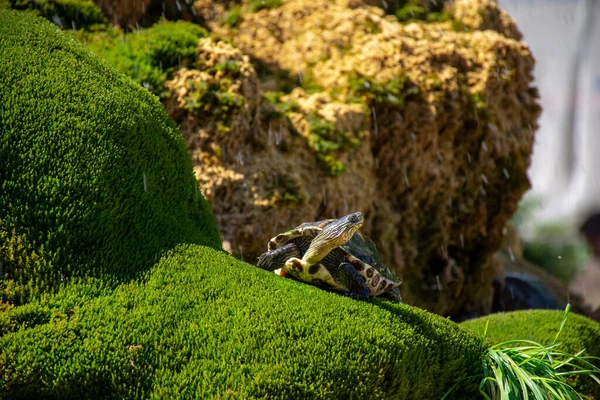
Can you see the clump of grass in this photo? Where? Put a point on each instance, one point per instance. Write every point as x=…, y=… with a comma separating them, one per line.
x=523, y=369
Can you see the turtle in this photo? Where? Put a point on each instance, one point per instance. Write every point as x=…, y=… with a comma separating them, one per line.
x=334, y=255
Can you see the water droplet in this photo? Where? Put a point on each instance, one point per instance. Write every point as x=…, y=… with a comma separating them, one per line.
x=406, y=179
x=469, y=157
x=505, y=172
x=413, y=136
x=178, y=5
x=484, y=179
x=484, y=147
x=462, y=241
x=482, y=190
x=270, y=133
x=439, y=283
x=367, y=84
x=239, y=158
x=511, y=255
x=300, y=78
x=439, y=157
x=145, y=182
x=74, y=26
x=57, y=20
x=374, y=120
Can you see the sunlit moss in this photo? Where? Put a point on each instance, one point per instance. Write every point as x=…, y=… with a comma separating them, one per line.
x=92, y=166
x=150, y=55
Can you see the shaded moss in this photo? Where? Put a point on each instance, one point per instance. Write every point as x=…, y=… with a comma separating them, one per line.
x=70, y=14
x=92, y=166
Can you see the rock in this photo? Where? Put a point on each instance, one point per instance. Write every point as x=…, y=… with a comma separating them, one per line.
x=424, y=127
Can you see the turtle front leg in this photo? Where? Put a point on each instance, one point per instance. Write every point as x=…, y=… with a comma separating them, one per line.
x=346, y=276
x=274, y=259
x=296, y=267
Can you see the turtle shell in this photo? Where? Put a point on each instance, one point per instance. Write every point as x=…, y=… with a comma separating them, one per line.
x=360, y=252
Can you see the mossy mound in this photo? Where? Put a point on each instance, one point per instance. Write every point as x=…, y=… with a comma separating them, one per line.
x=205, y=325
x=541, y=326
x=95, y=176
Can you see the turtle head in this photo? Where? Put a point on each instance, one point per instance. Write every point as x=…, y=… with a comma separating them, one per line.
x=333, y=235
x=342, y=230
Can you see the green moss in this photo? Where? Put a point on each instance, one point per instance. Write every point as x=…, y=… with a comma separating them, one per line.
x=542, y=326
x=70, y=14
x=149, y=56
x=257, y=5
x=368, y=91
x=212, y=99
x=232, y=17
x=212, y=96
x=95, y=178
x=203, y=324
x=411, y=11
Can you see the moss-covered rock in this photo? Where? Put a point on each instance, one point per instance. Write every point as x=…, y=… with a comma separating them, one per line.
x=579, y=333
x=150, y=55
x=424, y=127
x=203, y=324
x=95, y=176
x=70, y=14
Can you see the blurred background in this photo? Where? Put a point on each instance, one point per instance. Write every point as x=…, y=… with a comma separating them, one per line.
x=558, y=218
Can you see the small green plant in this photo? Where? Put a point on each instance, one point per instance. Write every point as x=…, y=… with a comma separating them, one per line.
x=212, y=98
x=533, y=370
x=232, y=17
x=411, y=11
x=324, y=139
x=368, y=91
x=257, y=5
